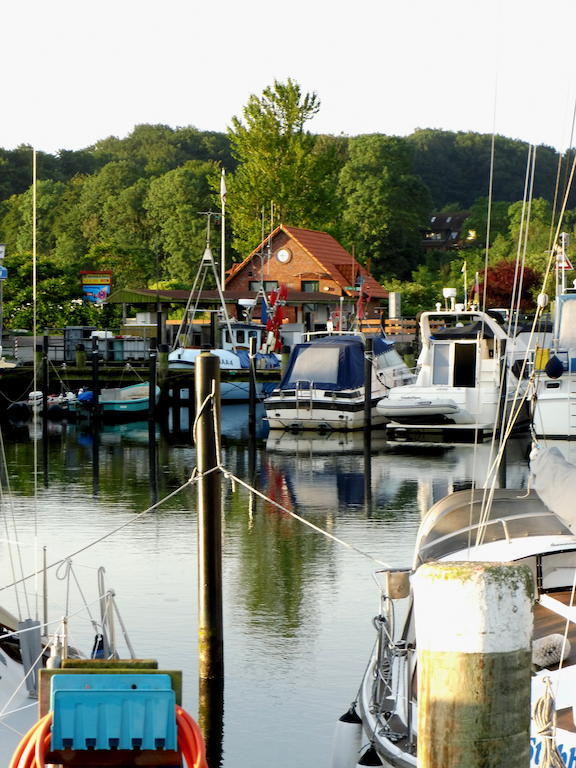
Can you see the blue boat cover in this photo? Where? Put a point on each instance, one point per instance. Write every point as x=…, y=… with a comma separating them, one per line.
x=330, y=362
x=270, y=361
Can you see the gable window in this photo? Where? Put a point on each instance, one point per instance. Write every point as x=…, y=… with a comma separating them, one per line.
x=310, y=286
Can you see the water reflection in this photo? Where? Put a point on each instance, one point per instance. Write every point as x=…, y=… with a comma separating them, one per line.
x=297, y=605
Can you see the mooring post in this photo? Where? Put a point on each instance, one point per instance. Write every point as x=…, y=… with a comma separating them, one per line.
x=368, y=386
x=210, y=623
x=80, y=356
x=45, y=377
x=284, y=357
x=95, y=381
x=152, y=380
x=252, y=390
x=474, y=635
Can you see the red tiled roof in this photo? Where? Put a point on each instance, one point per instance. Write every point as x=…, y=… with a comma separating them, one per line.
x=328, y=252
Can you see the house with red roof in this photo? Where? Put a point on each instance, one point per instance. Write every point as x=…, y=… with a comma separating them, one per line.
x=323, y=279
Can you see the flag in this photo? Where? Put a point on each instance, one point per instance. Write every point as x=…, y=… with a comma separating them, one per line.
x=360, y=306
x=463, y=270
x=223, y=187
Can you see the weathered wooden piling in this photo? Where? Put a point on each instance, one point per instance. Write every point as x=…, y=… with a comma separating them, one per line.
x=210, y=622
x=80, y=356
x=252, y=390
x=95, y=355
x=473, y=634
x=153, y=359
x=368, y=386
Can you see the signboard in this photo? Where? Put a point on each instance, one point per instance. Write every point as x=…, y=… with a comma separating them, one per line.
x=3, y=273
x=564, y=262
x=96, y=286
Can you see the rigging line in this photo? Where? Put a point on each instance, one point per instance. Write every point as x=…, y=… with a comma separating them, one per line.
x=520, y=233
x=229, y=476
x=186, y=310
x=193, y=479
x=489, y=215
x=516, y=309
x=4, y=465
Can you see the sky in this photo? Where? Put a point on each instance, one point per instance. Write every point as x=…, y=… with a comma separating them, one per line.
x=77, y=71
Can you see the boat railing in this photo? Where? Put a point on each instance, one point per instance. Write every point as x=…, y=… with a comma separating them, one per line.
x=317, y=334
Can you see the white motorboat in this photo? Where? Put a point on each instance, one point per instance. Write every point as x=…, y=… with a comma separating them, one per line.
x=554, y=402
x=467, y=377
x=324, y=384
x=535, y=529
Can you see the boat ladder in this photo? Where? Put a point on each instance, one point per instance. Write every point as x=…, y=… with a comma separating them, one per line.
x=303, y=396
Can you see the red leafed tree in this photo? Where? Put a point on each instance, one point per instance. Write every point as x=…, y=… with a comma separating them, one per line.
x=500, y=285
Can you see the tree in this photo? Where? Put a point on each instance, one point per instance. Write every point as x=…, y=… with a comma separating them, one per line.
x=176, y=227
x=499, y=281
x=384, y=205
x=278, y=162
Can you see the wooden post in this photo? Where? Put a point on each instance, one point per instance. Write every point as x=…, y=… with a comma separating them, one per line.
x=284, y=357
x=368, y=385
x=45, y=377
x=80, y=356
x=210, y=623
x=252, y=390
x=95, y=381
x=152, y=381
x=474, y=637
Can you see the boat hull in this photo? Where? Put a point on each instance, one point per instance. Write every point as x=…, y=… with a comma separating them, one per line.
x=305, y=413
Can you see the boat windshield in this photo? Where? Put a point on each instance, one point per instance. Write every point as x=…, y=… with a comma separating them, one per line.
x=452, y=524
x=315, y=363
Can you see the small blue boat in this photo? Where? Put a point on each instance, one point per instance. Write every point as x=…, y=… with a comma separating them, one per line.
x=117, y=401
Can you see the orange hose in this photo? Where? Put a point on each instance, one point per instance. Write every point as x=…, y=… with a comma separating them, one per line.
x=31, y=752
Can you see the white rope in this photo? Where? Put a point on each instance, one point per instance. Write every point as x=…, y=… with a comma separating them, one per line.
x=229, y=476
x=544, y=716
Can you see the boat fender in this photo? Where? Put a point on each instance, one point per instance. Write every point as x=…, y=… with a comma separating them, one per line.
x=347, y=740
x=549, y=650
x=370, y=757
x=554, y=368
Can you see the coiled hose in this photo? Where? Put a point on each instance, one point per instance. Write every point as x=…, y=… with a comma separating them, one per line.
x=31, y=751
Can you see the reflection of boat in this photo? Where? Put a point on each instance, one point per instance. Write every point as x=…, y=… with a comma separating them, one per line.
x=324, y=385
x=320, y=442
x=458, y=383
x=554, y=405
x=519, y=528
x=117, y=401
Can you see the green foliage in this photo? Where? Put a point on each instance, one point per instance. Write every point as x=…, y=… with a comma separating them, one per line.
x=280, y=164
x=384, y=205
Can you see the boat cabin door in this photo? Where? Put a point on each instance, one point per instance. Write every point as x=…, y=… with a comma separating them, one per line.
x=458, y=359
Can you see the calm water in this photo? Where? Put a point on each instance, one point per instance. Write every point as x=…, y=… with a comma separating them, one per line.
x=298, y=607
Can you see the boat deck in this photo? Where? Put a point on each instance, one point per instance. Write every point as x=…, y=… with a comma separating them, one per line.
x=547, y=622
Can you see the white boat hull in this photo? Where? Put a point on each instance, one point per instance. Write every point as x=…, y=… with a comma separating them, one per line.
x=554, y=408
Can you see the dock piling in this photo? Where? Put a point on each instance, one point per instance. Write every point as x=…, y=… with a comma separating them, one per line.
x=474, y=636
x=368, y=386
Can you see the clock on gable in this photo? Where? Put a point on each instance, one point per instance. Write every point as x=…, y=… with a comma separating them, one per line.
x=284, y=255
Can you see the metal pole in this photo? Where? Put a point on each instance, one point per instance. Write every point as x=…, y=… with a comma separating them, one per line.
x=210, y=622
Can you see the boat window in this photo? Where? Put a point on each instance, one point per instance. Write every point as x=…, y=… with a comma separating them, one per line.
x=558, y=570
x=316, y=364
x=441, y=364
x=464, y=365
x=240, y=337
x=567, y=335
x=252, y=334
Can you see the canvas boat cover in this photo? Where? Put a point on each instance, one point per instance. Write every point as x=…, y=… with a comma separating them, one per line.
x=468, y=331
x=334, y=363
x=555, y=483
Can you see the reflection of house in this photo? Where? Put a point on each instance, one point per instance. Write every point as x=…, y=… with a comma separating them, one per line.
x=446, y=231
x=321, y=276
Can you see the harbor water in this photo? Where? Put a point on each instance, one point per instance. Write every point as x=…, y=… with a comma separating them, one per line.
x=298, y=606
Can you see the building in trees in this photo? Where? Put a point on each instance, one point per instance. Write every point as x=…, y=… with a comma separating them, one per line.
x=447, y=232
x=322, y=277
